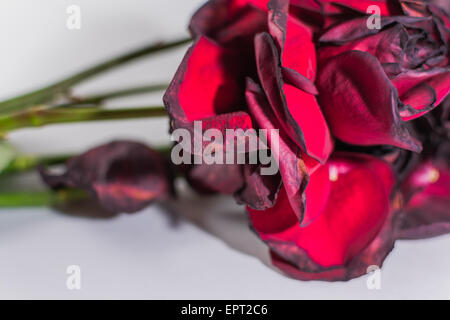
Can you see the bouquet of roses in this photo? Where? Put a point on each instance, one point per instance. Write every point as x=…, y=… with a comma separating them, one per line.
x=327, y=119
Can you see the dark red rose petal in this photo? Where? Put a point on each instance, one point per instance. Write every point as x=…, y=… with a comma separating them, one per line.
x=124, y=176
x=353, y=29
x=387, y=45
x=260, y=190
x=226, y=21
x=230, y=121
x=290, y=104
x=292, y=168
x=294, y=78
x=419, y=88
x=360, y=103
x=427, y=211
x=387, y=7
x=222, y=178
x=206, y=83
x=352, y=232
x=293, y=39
x=306, y=112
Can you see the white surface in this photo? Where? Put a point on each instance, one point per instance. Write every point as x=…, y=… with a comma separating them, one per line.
x=210, y=253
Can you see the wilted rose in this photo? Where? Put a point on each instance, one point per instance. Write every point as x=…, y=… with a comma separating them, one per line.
x=124, y=176
x=345, y=99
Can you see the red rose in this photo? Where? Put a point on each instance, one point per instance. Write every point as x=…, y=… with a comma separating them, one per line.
x=340, y=94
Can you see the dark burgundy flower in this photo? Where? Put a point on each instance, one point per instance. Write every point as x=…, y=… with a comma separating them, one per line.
x=125, y=176
x=313, y=70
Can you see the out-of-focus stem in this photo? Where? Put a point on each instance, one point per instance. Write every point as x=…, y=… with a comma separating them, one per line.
x=49, y=93
x=99, y=98
x=38, y=117
x=24, y=163
x=41, y=198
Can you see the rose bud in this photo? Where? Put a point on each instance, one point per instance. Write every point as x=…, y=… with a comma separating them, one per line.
x=124, y=176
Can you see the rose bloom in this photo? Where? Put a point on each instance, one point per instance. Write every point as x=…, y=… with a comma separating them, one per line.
x=350, y=103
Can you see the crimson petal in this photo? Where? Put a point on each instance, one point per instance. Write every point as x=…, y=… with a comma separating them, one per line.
x=215, y=68
x=360, y=103
x=292, y=168
x=353, y=232
x=225, y=20
x=422, y=89
x=294, y=108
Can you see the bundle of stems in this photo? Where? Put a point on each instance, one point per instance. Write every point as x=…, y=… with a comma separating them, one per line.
x=54, y=104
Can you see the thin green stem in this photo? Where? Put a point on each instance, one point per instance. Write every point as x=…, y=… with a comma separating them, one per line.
x=49, y=93
x=38, y=117
x=41, y=198
x=100, y=98
x=24, y=163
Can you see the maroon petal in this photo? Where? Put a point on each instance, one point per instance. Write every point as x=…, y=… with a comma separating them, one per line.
x=294, y=40
x=221, y=178
x=353, y=231
x=226, y=21
x=125, y=176
x=260, y=191
x=357, y=28
x=360, y=103
x=387, y=7
x=299, y=81
x=422, y=90
x=229, y=121
x=297, y=111
x=206, y=83
x=427, y=212
x=387, y=45
x=292, y=168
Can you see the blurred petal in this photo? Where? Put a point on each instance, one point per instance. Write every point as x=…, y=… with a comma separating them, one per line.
x=124, y=176
x=427, y=211
x=211, y=178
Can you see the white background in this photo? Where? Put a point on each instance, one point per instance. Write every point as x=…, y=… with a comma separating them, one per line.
x=190, y=249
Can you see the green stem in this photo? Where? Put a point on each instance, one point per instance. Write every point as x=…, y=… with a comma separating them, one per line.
x=41, y=198
x=24, y=163
x=100, y=98
x=38, y=117
x=51, y=92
